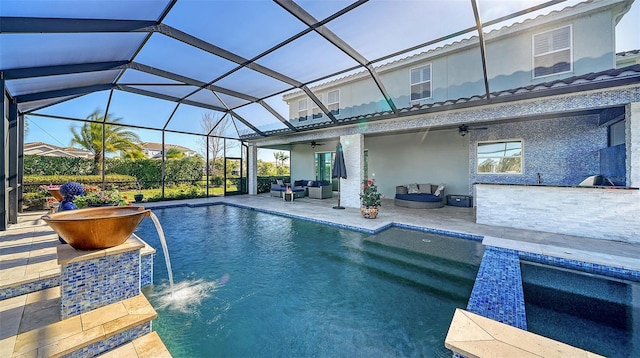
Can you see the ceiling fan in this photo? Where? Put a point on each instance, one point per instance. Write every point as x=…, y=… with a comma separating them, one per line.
x=314, y=144
x=464, y=129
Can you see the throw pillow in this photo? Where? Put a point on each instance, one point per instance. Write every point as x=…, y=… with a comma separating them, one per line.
x=280, y=182
x=413, y=189
x=424, y=188
x=439, y=190
x=311, y=183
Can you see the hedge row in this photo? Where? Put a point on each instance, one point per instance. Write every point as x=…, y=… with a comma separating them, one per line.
x=148, y=172
x=32, y=182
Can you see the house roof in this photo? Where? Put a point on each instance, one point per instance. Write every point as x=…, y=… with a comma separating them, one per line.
x=158, y=147
x=179, y=59
x=587, y=82
x=54, y=150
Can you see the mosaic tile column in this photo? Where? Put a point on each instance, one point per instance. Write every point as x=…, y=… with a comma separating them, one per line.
x=353, y=147
x=252, y=176
x=96, y=278
x=632, y=140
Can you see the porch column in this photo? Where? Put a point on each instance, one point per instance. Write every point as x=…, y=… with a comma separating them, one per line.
x=14, y=150
x=4, y=158
x=252, y=176
x=353, y=149
x=632, y=140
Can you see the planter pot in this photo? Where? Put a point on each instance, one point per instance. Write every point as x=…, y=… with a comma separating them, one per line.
x=138, y=197
x=369, y=212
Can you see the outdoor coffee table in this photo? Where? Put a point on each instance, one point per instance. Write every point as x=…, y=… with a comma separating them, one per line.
x=288, y=196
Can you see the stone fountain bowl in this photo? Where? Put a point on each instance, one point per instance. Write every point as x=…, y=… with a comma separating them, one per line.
x=96, y=228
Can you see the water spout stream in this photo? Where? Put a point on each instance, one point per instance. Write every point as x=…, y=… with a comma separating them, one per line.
x=156, y=222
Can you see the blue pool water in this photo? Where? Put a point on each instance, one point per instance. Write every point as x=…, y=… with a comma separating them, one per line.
x=250, y=284
x=593, y=312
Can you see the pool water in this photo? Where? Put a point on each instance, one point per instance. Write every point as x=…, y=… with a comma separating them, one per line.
x=251, y=284
x=592, y=312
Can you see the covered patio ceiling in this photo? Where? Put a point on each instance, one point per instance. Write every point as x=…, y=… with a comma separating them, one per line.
x=173, y=59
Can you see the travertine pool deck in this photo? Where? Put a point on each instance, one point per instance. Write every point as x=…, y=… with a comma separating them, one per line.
x=28, y=249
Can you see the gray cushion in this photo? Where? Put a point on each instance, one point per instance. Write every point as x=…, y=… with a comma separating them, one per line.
x=413, y=189
x=425, y=188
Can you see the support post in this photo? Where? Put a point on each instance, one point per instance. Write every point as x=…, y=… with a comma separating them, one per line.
x=4, y=158
x=253, y=170
x=14, y=149
x=632, y=140
x=350, y=188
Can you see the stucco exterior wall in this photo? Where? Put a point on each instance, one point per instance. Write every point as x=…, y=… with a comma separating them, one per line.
x=303, y=159
x=457, y=73
x=434, y=157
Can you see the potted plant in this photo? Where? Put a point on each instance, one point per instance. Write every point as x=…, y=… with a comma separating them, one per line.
x=96, y=197
x=139, y=196
x=370, y=199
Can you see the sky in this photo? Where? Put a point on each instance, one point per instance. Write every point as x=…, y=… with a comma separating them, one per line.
x=127, y=105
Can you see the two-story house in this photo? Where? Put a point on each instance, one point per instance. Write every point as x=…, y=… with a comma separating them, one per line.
x=559, y=111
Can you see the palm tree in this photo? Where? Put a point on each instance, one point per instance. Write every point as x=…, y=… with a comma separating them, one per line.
x=116, y=138
x=175, y=153
x=281, y=157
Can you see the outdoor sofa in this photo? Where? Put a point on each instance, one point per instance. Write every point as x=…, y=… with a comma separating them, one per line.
x=420, y=196
x=278, y=188
x=316, y=189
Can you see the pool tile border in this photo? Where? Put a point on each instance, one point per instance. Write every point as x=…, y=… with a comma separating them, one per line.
x=497, y=292
x=23, y=289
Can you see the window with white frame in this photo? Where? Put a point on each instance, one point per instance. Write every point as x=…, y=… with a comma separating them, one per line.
x=421, y=82
x=504, y=157
x=315, y=110
x=333, y=102
x=302, y=110
x=552, y=52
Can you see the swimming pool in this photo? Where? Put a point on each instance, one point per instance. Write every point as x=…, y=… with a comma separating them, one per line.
x=254, y=284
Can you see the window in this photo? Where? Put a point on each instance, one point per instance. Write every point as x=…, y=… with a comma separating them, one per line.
x=333, y=102
x=302, y=110
x=315, y=110
x=552, y=52
x=500, y=157
x=420, y=82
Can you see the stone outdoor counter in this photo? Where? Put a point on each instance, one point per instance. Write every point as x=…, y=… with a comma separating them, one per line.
x=597, y=212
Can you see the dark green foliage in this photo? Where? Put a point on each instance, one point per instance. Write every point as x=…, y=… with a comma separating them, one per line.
x=42, y=165
x=147, y=171
x=186, y=170
x=32, y=182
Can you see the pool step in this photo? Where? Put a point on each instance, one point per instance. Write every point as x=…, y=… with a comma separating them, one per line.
x=580, y=285
x=441, y=280
x=148, y=346
x=87, y=334
x=423, y=260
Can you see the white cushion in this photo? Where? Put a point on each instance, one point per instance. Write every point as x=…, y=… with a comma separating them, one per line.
x=413, y=189
x=440, y=188
x=280, y=182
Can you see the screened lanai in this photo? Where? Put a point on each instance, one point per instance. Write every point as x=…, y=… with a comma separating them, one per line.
x=161, y=65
